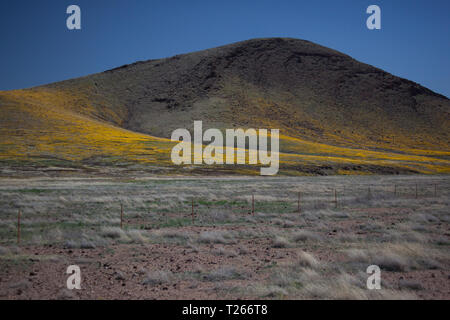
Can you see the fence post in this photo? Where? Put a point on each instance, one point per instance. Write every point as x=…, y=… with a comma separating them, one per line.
x=335, y=198
x=416, y=191
x=121, y=215
x=395, y=190
x=253, y=204
x=192, y=213
x=18, y=227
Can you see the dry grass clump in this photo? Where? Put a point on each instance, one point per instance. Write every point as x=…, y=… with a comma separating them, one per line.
x=169, y=236
x=136, y=236
x=128, y=236
x=175, y=234
x=308, y=278
x=192, y=247
x=348, y=237
x=442, y=241
x=221, y=216
x=269, y=291
x=4, y=251
x=243, y=250
x=225, y=273
x=66, y=294
x=347, y=287
x=397, y=236
x=83, y=244
x=75, y=240
x=395, y=257
x=220, y=236
x=277, y=221
x=406, y=284
x=391, y=261
x=308, y=283
x=113, y=232
x=221, y=251
x=280, y=242
x=307, y=260
x=283, y=223
x=385, y=259
x=305, y=235
x=158, y=277
x=424, y=218
x=295, y=274
x=22, y=285
x=284, y=278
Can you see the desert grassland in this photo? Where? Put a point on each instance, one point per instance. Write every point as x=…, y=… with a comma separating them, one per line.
x=46, y=127
x=45, y=130
x=321, y=252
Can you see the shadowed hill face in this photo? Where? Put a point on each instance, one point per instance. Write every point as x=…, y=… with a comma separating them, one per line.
x=304, y=89
x=324, y=102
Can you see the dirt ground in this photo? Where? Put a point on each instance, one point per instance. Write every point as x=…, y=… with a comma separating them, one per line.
x=247, y=238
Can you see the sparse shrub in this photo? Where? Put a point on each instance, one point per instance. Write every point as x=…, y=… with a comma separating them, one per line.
x=280, y=242
x=3, y=251
x=386, y=260
x=340, y=215
x=136, y=236
x=243, y=250
x=304, y=235
x=175, y=235
x=22, y=285
x=347, y=237
x=425, y=218
x=250, y=219
x=357, y=254
x=193, y=247
x=277, y=222
x=390, y=261
x=83, y=244
x=212, y=237
x=15, y=249
x=113, y=232
x=71, y=244
x=66, y=294
x=395, y=257
x=319, y=204
x=283, y=278
x=306, y=259
x=224, y=273
x=288, y=224
x=220, y=216
x=283, y=223
x=441, y=241
x=271, y=291
x=224, y=252
x=409, y=285
x=418, y=228
x=157, y=277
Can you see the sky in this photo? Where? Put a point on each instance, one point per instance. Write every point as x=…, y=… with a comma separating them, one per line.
x=36, y=47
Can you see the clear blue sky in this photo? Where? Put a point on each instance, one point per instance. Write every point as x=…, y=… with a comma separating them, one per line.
x=37, y=48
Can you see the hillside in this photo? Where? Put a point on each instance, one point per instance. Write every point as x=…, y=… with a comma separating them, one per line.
x=335, y=114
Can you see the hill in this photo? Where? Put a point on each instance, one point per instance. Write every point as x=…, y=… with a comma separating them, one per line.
x=335, y=114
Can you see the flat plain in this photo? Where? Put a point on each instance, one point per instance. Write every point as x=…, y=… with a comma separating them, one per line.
x=249, y=237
